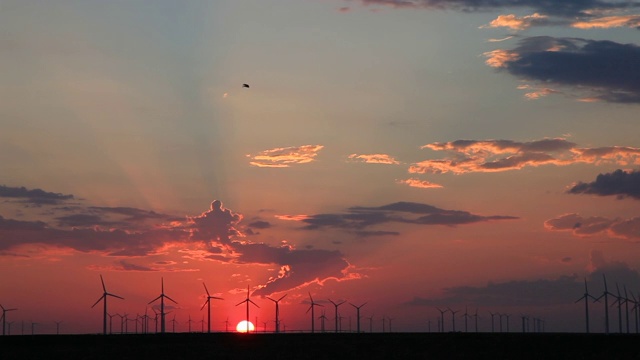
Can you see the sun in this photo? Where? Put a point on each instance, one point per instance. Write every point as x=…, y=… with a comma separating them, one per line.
x=244, y=325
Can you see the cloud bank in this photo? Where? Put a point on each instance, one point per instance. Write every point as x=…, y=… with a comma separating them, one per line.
x=618, y=183
x=571, y=63
x=286, y=156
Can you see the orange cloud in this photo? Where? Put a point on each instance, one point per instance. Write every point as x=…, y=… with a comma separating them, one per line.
x=514, y=22
x=374, y=159
x=589, y=226
x=285, y=157
x=500, y=57
x=607, y=22
x=423, y=184
x=469, y=156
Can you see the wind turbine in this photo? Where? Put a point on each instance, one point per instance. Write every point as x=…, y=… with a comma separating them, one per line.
x=370, y=323
x=476, y=319
x=619, y=301
x=358, y=314
x=336, y=306
x=626, y=305
x=442, y=318
x=492, y=315
x=4, y=318
x=247, y=300
x=58, y=327
x=453, y=318
x=466, y=317
x=311, y=307
x=162, y=313
x=586, y=297
x=322, y=319
x=208, y=303
x=277, y=302
x=605, y=294
x=103, y=298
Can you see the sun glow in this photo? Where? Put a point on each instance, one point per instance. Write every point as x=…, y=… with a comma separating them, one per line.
x=245, y=325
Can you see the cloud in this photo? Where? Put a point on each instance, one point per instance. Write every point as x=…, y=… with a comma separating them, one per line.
x=297, y=267
x=285, y=157
x=570, y=63
x=594, y=225
x=423, y=184
x=632, y=21
x=619, y=183
x=358, y=218
x=374, y=159
x=216, y=225
x=564, y=8
x=469, y=156
x=33, y=196
x=514, y=22
x=563, y=290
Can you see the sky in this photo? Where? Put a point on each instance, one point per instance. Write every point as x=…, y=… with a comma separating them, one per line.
x=481, y=156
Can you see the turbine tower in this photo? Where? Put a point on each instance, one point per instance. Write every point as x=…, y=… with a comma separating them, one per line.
x=453, y=318
x=442, y=318
x=4, y=318
x=162, y=296
x=247, y=300
x=586, y=297
x=336, y=306
x=358, y=314
x=277, y=302
x=311, y=307
x=605, y=294
x=208, y=303
x=103, y=298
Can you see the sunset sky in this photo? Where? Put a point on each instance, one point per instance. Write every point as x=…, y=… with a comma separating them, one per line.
x=410, y=154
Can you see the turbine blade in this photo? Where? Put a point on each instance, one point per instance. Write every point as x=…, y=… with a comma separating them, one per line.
x=282, y=297
x=205, y=289
x=114, y=295
x=170, y=299
x=102, y=280
x=205, y=303
x=251, y=301
x=159, y=296
x=96, y=303
x=242, y=302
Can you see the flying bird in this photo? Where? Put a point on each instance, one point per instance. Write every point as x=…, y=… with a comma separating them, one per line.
x=245, y=86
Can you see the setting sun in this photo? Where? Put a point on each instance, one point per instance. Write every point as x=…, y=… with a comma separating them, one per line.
x=245, y=326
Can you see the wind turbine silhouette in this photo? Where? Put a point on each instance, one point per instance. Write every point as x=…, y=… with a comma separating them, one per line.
x=4, y=318
x=336, y=306
x=586, y=298
x=466, y=317
x=492, y=316
x=358, y=314
x=453, y=318
x=247, y=300
x=626, y=305
x=277, y=302
x=442, y=318
x=103, y=298
x=162, y=296
x=605, y=294
x=311, y=307
x=322, y=319
x=370, y=323
x=208, y=303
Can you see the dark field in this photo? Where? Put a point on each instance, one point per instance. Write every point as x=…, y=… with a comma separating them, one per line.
x=322, y=346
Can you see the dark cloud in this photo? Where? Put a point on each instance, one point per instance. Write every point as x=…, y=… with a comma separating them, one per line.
x=83, y=220
x=563, y=290
x=360, y=217
x=596, y=70
x=33, y=196
x=297, y=267
x=588, y=226
x=565, y=8
x=619, y=183
x=259, y=224
x=216, y=224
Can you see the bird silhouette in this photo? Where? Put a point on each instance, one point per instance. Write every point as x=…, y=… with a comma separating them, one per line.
x=245, y=86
